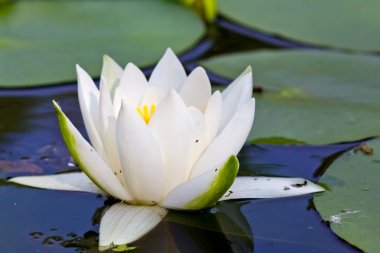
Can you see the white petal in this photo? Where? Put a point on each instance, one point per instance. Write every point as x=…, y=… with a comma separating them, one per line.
x=230, y=141
x=76, y=181
x=269, y=187
x=199, y=133
x=105, y=105
x=196, y=90
x=205, y=190
x=152, y=96
x=89, y=160
x=239, y=94
x=208, y=126
x=197, y=117
x=169, y=73
x=213, y=115
x=232, y=85
x=131, y=88
x=140, y=157
x=88, y=95
x=171, y=127
x=123, y=224
x=111, y=72
x=108, y=129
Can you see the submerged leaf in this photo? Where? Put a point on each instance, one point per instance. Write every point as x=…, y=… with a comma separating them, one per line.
x=19, y=166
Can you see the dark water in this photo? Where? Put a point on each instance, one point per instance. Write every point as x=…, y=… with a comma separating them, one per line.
x=34, y=220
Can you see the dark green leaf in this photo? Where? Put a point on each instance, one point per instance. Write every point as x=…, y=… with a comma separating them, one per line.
x=352, y=205
x=348, y=24
x=41, y=41
x=311, y=96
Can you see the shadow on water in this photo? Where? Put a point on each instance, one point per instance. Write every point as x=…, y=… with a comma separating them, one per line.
x=54, y=221
x=305, y=161
x=29, y=133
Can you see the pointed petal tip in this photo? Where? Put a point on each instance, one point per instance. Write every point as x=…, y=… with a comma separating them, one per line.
x=319, y=188
x=270, y=187
x=130, y=64
x=169, y=51
x=247, y=75
x=82, y=75
x=169, y=72
x=78, y=68
x=109, y=60
x=81, y=72
x=200, y=69
x=234, y=161
x=57, y=107
x=74, y=181
x=55, y=103
x=12, y=180
x=106, y=57
x=132, y=68
x=217, y=92
x=21, y=181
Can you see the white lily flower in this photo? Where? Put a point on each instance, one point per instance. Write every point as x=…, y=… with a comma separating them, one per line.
x=163, y=143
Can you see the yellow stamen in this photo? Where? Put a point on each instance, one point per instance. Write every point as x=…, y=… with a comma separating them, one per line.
x=146, y=112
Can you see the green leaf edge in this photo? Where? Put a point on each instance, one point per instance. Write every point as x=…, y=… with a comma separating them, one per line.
x=218, y=186
x=277, y=140
x=71, y=144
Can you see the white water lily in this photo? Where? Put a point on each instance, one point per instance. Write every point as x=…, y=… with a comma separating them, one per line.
x=164, y=143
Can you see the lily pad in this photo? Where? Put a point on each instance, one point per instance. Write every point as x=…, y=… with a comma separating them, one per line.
x=353, y=202
x=347, y=24
x=41, y=41
x=311, y=96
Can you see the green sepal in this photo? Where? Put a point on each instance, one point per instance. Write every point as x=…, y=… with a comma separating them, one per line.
x=218, y=186
x=71, y=143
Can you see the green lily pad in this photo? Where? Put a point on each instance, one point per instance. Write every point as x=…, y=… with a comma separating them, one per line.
x=353, y=202
x=348, y=24
x=311, y=96
x=41, y=41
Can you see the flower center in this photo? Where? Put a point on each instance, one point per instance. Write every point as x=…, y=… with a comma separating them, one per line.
x=146, y=112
